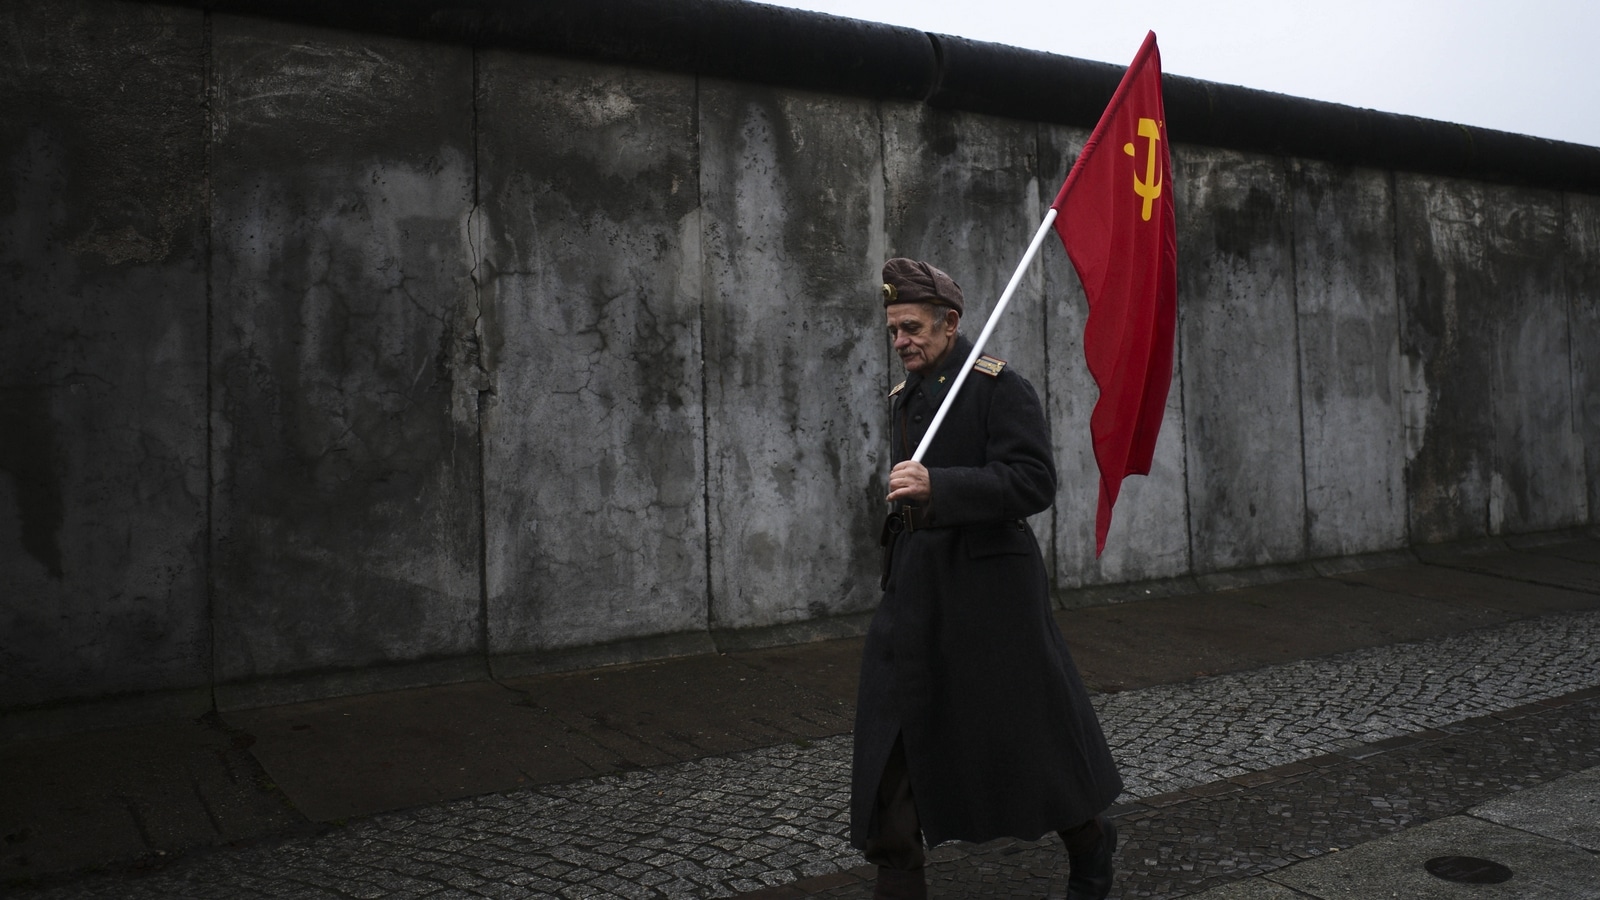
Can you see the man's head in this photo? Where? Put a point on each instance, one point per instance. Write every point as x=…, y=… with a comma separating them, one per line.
x=923, y=307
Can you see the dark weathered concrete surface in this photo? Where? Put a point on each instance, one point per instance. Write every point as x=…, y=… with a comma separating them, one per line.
x=594, y=424
x=126, y=794
x=345, y=434
x=1241, y=380
x=358, y=755
x=1480, y=305
x=1539, y=480
x=1348, y=336
x=690, y=708
x=102, y=352
x=1447, y=310
x=1557, y=544
x=1228, y=631
x=796, y=365
x=1467, y=590
x=1538, y=564
x=1583, y=295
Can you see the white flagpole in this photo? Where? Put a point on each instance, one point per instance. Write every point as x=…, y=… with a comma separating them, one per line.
x=983, y=337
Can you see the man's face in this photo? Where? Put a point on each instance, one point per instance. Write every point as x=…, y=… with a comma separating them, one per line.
x=922, y=334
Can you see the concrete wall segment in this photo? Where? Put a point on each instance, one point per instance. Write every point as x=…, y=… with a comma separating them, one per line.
x=1239, y=360
x=1348, y=332
x=1582, y=270
x=102, y=352
x=796, y=367
x=1069, y=392
x=1149, y=535
x=1538, y=481
x=345, y=447
x=1448, y=315
x=1487, y=343
x=594, y=430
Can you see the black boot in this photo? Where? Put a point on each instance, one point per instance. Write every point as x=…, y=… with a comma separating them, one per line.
x=900, y=884
x=1089, y=877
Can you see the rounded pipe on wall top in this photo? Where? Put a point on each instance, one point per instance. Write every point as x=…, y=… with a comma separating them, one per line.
x=1241, y=118
x=1001, y=80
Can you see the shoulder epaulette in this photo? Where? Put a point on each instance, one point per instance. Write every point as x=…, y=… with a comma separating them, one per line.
x=989, y=365
x=897, y=388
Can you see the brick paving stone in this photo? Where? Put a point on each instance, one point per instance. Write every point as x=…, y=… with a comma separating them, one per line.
x=1359, y=744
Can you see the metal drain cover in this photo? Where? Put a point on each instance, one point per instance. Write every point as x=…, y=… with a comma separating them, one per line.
x=1467, y=870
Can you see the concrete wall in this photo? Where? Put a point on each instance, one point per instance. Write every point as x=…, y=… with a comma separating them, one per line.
x=594, y=420
x=332, y=360
x=1493, y=440
x=346, y=485
x=103, y=353
x=791, y=194
x=1582, y=267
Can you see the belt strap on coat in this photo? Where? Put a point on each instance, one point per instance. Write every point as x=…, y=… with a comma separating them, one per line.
x=906, y=519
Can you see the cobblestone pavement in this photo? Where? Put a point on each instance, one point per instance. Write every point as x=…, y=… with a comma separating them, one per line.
x=1186, y=842
x=1227, y=776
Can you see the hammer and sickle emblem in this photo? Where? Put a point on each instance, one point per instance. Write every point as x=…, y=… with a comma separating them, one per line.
x=1149, y=188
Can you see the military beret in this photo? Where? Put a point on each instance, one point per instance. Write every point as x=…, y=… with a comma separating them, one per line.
x=910, y=281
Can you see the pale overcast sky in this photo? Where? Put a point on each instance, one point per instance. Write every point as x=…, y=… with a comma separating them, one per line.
x=1525, y=66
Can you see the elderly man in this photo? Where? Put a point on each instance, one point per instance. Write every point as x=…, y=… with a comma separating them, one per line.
x=971, y=720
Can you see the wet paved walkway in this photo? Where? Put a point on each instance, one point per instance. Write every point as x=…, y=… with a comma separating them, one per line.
x=1239, y=783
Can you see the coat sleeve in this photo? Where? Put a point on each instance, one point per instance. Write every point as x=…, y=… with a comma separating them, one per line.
x=1018, y=476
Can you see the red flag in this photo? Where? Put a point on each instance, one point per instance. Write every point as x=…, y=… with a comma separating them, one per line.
x=1114, y=216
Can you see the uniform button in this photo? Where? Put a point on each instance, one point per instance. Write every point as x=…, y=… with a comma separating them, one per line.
x=917, y=417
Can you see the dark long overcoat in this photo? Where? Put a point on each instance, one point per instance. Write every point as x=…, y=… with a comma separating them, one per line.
x=964, y=659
